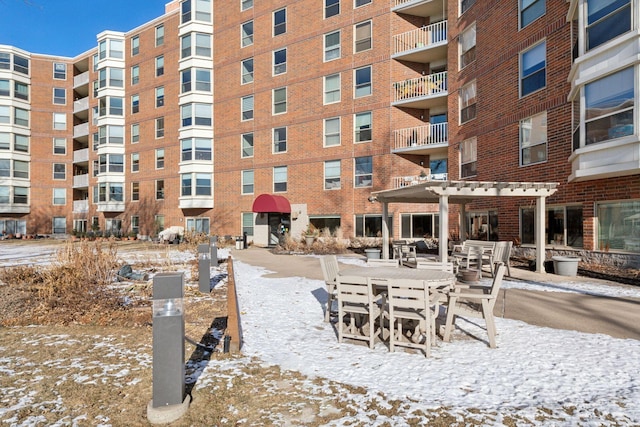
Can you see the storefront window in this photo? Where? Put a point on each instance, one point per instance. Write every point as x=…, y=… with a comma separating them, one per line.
x=419, y=226
x=322, y=222
x=619, y=226
x=371, y=226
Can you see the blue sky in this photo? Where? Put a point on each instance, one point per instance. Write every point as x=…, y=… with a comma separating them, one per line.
x=69, y=27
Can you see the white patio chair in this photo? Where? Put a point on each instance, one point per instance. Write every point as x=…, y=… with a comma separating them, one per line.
x=475, y=301
x=330, y=268
x=502, y=253
x=383, y=262
x=356, y=300
x=427, y=264
x=411, y=321
x=471, y=259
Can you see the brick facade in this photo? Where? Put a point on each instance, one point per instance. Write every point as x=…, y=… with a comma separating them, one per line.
x=499, y=111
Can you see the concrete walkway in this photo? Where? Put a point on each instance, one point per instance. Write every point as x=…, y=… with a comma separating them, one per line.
x=615, y=316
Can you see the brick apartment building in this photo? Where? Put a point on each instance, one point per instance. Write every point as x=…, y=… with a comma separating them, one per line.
x=230, y=118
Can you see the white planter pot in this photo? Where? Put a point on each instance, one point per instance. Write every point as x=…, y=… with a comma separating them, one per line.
x=372, y=253
x=565, y=265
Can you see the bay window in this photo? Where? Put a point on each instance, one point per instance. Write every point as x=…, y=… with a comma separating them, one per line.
x=609, y=107
x=606, y=19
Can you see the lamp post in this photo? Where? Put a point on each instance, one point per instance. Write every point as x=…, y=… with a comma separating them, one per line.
x=204, y=265
x=213, y=240
x=168, y=402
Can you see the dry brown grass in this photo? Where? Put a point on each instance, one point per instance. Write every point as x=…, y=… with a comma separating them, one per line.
x=326, y=242
x=75, y=289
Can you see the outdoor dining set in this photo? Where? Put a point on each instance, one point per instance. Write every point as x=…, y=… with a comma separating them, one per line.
x=398, y=301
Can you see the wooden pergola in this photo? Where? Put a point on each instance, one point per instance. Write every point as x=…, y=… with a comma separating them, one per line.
x=462, y=193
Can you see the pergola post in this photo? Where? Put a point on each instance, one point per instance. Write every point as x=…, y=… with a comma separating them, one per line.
x=463, y=222
x=385, y=230
x=444, y=228
x=539, y=231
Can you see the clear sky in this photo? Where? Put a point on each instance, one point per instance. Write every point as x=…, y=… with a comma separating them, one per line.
x=69, y=27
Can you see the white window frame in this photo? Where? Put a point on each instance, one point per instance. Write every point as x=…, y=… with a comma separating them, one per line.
x=279, y=28
x=135, y=133
x=280, y=178
x=59, y=143
x=330, y=134
x=61, y=174
x=135, y=45
x=246, y=71
x=279, y=66
x=135, y=162
x=467, y=46
x=358, y=130
x=276, y=146
x=328, y=94
x=246, y=37
x=357, y=176
x=135, y=75
x=469, y=156
x=160, y=189
x=159, y=35
x=247, y=187
x=329, y=8
x=368, y=86
x=467, y=98
x=59, y=196
x=246, y=4
x=247, y=145
x=366, y=42
x=330, y=180
x=279, y=105
x=59, y=69
x=329, y=50
x=533, y=138
x=246, y=113
x=59, y=96
x=159, y=65
x=530, y=5
x=540, y=45
x=59, y=121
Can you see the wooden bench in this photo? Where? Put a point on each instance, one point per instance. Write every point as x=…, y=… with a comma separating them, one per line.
x=464, y=246
x=495, y=252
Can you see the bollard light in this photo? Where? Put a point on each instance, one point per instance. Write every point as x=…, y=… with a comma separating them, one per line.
x=204, y=265
x=168, y=401
x=214, y=250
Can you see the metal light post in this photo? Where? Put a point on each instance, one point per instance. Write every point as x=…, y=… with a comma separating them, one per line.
x=204, y=265
x=169, y=401
x=213, y=240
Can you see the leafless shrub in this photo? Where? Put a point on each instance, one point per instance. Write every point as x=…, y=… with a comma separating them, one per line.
x=75, y=288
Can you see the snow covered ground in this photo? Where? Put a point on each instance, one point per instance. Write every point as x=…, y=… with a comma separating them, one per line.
x=568, y=373
x=569, y=378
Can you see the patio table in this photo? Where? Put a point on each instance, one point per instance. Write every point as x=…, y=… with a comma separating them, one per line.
x=434, y=278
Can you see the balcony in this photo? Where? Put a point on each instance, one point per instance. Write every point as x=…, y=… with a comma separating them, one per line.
x=81, y=181
x=81, y=156
x=81, y=79
x=423, y=92
x=422, y=45
x=422, y=8
x=81, y=130
x=112, y=206
x=196, y=202
x=407, y=181
x=80, y=206
x=15, y=208
x=81, y=104
x=425, y=140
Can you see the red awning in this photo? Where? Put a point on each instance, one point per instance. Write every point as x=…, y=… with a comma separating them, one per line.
x=271, y=203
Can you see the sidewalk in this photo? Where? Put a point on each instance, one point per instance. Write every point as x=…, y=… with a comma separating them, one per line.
x=618, y=317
